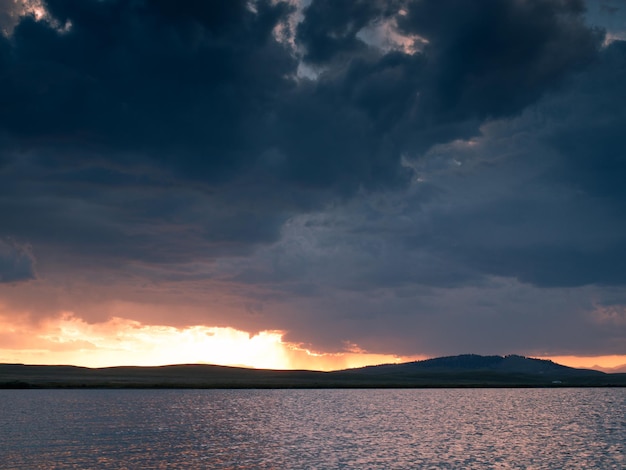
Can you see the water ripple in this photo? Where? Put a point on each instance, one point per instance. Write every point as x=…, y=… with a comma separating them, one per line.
x=313, y=429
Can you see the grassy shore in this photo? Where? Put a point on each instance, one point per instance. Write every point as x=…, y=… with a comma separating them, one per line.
x=208, y=376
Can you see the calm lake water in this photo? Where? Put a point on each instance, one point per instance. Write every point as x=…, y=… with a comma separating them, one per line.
x=316, y=429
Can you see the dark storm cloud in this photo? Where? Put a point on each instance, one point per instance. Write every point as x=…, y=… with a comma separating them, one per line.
x=330, y=28
x=119, y=119
x=197, y=86
x=113, y=107
x=534, y=198
x=499, y=316
x=590, y=134
x=16, y=262
x=561, y=223
x=204, y=89
x=482, y=60
x=309, y=171
x=110, y=107
x=182, y=85
x=10, y=11
x=493, y=58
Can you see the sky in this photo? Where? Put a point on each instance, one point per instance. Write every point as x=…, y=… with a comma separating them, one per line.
x=312, y=183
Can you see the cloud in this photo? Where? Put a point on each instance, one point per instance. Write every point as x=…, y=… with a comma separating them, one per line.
x=494, y=58
x=552, y=209
x=17, y=263
x=173, y=157
x=510, y=238
x=387, y=103
x=12, y=10
x=590, y=139
x=537, y=197
x=330, y=30
x=208, y=92
x=178, y=86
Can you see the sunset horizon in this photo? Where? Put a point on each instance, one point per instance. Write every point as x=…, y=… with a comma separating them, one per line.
x=312, y=234
x=229, y=347
x=311, y=184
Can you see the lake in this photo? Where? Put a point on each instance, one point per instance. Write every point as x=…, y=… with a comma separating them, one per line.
x=314, y=429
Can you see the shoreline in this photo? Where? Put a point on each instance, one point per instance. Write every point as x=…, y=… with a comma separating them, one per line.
x=195, y=376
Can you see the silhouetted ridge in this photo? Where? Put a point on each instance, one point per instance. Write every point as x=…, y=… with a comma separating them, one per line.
x=464, y=361
x=511, y=364
x=468, y=370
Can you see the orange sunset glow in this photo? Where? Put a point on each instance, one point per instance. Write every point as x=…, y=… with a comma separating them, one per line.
x=70, y=340
x=312, y=234
x=604, y=363
x=312, y=184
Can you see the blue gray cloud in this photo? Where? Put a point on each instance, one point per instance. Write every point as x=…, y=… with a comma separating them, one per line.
x=17, y=263
x=461, y=176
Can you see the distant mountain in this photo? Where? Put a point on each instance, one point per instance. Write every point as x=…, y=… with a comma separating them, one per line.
x=512, y=364
x=612, y=370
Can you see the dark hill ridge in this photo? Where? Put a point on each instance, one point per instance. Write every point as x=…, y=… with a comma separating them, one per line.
x=467, y=370
x=512, y=364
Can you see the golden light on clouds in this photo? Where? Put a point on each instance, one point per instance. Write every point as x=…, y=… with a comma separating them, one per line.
x=68, y=339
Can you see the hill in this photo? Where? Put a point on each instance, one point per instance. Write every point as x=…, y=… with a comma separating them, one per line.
x=475, y=363
x=474, y=370
x=468, y=370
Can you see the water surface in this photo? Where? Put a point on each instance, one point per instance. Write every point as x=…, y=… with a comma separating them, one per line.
x=316, y=429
